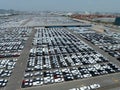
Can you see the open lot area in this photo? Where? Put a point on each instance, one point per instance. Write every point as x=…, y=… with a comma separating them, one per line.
x=49, y=20
x=14, y=21
x=12, y=41
x=40, y=52
x=109, y=41
x=59, y=56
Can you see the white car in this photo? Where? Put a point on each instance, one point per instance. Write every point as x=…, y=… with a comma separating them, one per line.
x=74, y=89
x=87, y=75
x=59, y=80
x=85, y=88
x=37, y=83
x=95, y=86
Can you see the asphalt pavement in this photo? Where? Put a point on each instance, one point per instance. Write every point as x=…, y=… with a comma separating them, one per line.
x=15, y=80
x=107, y=82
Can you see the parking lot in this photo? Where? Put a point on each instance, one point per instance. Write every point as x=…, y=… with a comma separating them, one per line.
x=108, y=41
x=59, y=56
x=12, y=41
x=6, y=69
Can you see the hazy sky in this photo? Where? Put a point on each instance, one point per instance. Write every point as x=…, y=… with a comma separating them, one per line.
x=62, y=5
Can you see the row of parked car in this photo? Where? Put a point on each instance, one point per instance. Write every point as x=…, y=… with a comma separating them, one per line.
x=99, y=39
x=106, y=42
x=68, y=60
x=113, y=34
x=90, y=87
x=64, y=60
x=113, y=50
x=52, y=37
x=34, y=78
x=6, y=68
x=71, y=48
x=12, y=41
